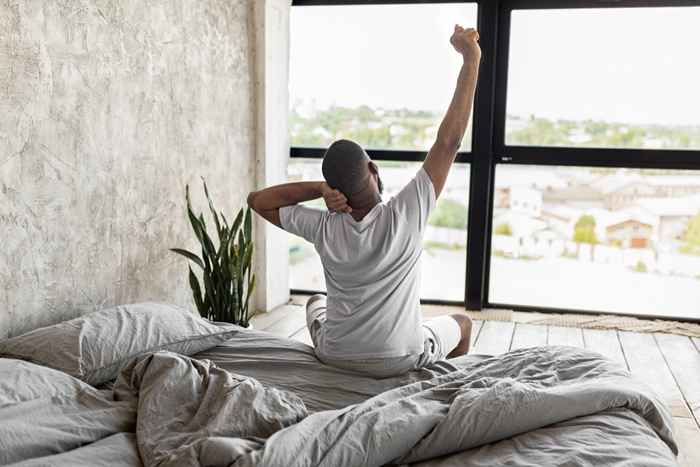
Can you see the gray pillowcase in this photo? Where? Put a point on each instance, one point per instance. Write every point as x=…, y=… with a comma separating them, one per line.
x=94, y=346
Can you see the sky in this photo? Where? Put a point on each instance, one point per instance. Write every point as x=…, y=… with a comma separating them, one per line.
x=638, y=66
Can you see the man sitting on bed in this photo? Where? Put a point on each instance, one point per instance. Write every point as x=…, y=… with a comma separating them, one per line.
x=370, y=249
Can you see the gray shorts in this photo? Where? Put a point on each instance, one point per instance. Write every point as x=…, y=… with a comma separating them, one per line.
x=440, y=336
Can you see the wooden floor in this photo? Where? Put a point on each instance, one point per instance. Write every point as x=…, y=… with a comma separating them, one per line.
x=670, y=364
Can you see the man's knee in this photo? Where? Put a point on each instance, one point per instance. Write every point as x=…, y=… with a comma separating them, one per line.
x=314, y=298
x=465, y=324
x=315, y=314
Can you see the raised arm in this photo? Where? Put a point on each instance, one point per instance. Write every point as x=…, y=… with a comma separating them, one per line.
x=268, y=202
x=453, y=126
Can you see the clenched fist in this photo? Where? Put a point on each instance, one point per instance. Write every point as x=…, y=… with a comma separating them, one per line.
x=466, y=42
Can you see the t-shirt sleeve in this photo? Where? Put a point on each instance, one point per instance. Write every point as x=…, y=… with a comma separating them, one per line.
x=416, y=201
x=302, y=221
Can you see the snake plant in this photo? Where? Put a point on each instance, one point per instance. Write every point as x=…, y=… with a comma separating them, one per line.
x=226, y=269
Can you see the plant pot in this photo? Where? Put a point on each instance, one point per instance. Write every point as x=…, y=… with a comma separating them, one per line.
x=223, y=323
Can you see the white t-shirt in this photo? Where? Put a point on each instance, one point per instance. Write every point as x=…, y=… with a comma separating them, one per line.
x=372, y=272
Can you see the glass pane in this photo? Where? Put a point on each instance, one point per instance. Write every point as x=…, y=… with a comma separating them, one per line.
x=614, y=78
x=445, y=241
x=382, y=75
x=621, y=240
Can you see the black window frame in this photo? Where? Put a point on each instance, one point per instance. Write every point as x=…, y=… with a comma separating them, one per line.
x=489, y=148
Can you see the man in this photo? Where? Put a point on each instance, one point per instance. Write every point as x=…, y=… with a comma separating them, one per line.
x=370, y=250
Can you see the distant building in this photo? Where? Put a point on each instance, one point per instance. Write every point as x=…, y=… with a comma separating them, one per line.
x=576, y=194
x=630, y=233
x=673, y=213
x=623, y=189
x=520, y=199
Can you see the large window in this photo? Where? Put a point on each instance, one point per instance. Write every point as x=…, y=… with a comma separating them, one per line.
x=616, y=77
x=444, y=243
x=623, y=240
x=381, y=75
x=579, y=185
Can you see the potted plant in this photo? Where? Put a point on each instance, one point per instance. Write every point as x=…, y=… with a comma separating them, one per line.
x=227, y=278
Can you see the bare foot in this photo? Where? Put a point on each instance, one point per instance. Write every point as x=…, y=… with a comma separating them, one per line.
x=465, y=324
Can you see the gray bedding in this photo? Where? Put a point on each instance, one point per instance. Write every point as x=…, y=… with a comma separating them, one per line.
x=277, y=405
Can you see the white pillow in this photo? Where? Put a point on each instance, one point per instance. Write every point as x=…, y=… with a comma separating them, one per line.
x=94, y=346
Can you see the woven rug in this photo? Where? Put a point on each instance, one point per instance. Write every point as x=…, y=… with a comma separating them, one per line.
x=619, y=323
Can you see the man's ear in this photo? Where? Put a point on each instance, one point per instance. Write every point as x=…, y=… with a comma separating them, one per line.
x=373, y=168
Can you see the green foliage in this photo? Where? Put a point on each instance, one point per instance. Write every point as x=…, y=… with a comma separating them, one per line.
x=640, y=266
x=433, y=245
x=227, y=269
x=416, y=130
x=584, y=230
x=588, y=133
x=616, y=242
x=449, y=213
x=692, y=237
x=503, y=229
x=373, y=128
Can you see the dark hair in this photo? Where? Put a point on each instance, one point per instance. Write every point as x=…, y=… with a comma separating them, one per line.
x=345, y=167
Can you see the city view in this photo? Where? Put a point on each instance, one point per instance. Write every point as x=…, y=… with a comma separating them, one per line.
x=622, y=240
x=561, y=235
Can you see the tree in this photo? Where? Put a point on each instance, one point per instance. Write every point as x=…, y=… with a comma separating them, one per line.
x=450, y=214
x=503, y=229
x=584, y=230
x=692, y=236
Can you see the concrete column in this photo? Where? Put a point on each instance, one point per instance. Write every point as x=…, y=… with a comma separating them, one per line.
x=271, y=29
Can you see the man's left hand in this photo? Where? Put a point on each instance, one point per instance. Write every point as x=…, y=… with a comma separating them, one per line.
x=335, y=200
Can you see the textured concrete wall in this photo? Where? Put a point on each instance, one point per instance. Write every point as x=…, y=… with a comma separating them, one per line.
x=107, y=109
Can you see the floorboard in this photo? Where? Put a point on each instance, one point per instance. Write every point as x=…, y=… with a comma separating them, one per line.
x=646, y=362
x=494, y=338
x=684, y=362
x=304, y=336
x=292, y=320
x=528, y=335
x=687, y=436
x=604, y=342
x=561, y=335
x=262, y=321
x=476, y=329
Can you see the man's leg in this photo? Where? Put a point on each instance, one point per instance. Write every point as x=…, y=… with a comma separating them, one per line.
x=445, y=337
x=315, y=316
x=465, y=325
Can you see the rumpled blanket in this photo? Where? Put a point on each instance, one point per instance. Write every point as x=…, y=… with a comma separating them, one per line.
x=190, y=412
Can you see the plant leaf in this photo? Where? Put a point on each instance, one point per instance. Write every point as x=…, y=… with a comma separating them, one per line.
x=251, y=288
x=189, y=255
x=211, y=208
x=207, y=243
x=193, y=219
x=197, y=293
x=248, y=226
x=237, y=222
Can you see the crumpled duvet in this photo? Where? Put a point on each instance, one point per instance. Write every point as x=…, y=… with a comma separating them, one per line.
x=190, y=412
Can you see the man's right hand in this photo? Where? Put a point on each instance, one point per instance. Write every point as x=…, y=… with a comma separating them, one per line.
x=466, y=42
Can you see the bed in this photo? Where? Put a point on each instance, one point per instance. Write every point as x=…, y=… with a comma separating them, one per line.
x=259, y=399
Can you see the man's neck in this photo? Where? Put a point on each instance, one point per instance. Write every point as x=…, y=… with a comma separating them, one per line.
x=358, y=213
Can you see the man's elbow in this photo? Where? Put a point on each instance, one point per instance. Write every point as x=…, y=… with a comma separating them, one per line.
x=252, y=200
